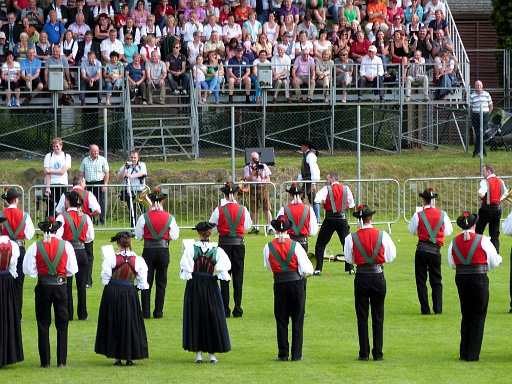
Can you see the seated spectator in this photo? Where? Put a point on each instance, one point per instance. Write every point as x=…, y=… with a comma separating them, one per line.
x=150, y=29
x=136, y=75
x=354, y=28
x=424, y=44
x=399, y=49
x=395, y=26
x=176, y=66
x=248, y=49
x=21, y=48
x=131, y=29
x=81, y=9
x=231, y=49
x=155, y=75
x=104, y=9
x=321, y=45
x=242, y=12
x=359, y=48
x=303, y=72
x=195, y=48
x=429, y=11
x=211, y=10
x=113, y=75
x=261, y=60
x=413, y=28
x=309, y=27
x=334, y=7
x=263, y=45
x=343, y=24
x=271, y=29
x=382, y=50
x=110, y=45
x=239, y=72
x=372, y=34
x=57, y=59
x=224, y=13
x=139, y=14
x=215, y=46
x=440, y=44
x=11, y=75
x=445, y=76
x=281, y=63
x=69, y=48
x=170, y=34
x=78, y=28
x=55, y=29
x=344, y=67
x=317, y=9
x=90, y=76
x=232, y=30
x=414, y=9
x=4, y=47
x=416, y=74
x=289, y=27
x=371, y=70
x=393, y=10
x=123, y=16
x=30, y=72
x=350, y=12
x=376, y=11
x=163, y=10
x=252, y=27
x=43, y=49
x=289, y=46
x=30, y=30
x=344, y=41
x=14, y=37
x=210, y=27
x=199, y=75
x=438, y=23
x=33, y=13
x=130, y=49
x=102, y=29
x=288, y=8
x=215, y=75
x=323, y=72
x=334, y=38
x=303, y=43
x=194, y=7
x=147, y=48
x=191, y=26
x=60, y=10
x=86, y=46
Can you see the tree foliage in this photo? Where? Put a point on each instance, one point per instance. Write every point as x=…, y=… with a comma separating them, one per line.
x=501, y=19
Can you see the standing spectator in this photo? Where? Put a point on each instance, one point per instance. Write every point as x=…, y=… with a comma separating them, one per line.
x=480, y=102
x=136, y=75
x=280, y=73
x=336, y=199
x=232, y=220
x=112, y=44
x=371, y=70
x=113, y=74
x=56, y=165
x=257, y=171
x=156, y=75
x=303, y=72
x=11, y=75
x=133, y=173
x=54, y=28
x=176, y=66
x=415, y=73
x=239, y=72
x=30, y=71
x=507, y=230
x=289, y=262
x=376, y=11
x=121, y=333
x=51, y=261
x=204, y=323
x=431, y=225
x=309, y=171
x=157, y=228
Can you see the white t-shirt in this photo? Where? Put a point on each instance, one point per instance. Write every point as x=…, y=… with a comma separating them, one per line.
x=11, y=73
x=57, y=162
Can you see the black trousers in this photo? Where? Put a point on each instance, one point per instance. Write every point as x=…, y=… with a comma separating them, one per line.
x=236, y=254
x=80, y=277
x=370, y=291
x=426, y=263
x=157, y=260
x=289, y=300
x=329, y=226
x=45, y=297
x=491, y=217
x=20, y=280
x=474, y=299
x=89, y=249
x=100, y=196
x=56, y=192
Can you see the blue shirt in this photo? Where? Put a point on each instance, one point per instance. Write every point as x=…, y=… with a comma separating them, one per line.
x=129, y=51
x=135, y=73
x=30, y=68
x=238, y=67
x=91, y=69
x=54, y=31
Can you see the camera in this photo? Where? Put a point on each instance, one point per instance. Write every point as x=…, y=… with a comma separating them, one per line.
x=128, y=164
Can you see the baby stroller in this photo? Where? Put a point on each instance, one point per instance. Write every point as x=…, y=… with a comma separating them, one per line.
x=499, y=130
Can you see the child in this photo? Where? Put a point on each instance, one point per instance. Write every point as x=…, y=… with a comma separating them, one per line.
x=248, y=53
x=199, y=73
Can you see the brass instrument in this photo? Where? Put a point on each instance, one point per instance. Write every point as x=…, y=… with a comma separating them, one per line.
x=312, y=258
x=507, y=196
x=143, y=198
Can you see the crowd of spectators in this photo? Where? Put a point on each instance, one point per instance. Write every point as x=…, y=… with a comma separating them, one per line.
x=160, y=43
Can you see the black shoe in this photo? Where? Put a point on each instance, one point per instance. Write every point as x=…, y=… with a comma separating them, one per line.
x=158, y=315
x=62, y=365
x=44, y=366
x=380, y=358
x=382, y=100
x=359, y=99
x=254, y=231
x=298, y=359
x=361, y=358
x=280, y=359
x=118, y=363
x=230, y=100
x=198, y=361
x=247, y=99
x=130, y=363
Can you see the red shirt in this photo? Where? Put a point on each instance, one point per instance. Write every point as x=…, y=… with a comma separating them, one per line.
x=282, y=250
x=223, y=227
x=14, y=217
x=368, y=238
x=479, y=256
x=168, y=11
x=433, y=216
x=158, y=220
x=360, y=48
x=51, y=250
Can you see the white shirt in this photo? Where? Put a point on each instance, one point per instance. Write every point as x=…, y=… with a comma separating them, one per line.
x=188, y=31
x=321, y=196
x=280, y=64
x=93, y=202
x=313, y=224
x=187, y=260
x=493, y=259
x=29, y=225
x=174, y=232
x=208, y=29
x=108, y=46
x=305, y=266
x=387, y=243
x=14, y=255
x=56, y=162
x=413, y=224
x=478, y=101
x=135, y=182
x=141, y=268
x=433, y=8
x=371, y=67
x=144, y=31
x=89, y=235
x=30, y=265
x=214, y=218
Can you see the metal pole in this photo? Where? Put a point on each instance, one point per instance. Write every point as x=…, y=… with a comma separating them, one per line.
x=105, y=152
x=233, y=143
x=264, y=116
x=358, y=153
x=55, y=119
x=481, y=138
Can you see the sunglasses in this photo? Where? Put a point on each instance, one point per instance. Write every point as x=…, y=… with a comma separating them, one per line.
x=344, y=55
x=129, y=38
x=397, y=18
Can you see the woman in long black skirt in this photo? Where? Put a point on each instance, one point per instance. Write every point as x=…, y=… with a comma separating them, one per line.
x=121, y=333
x=11, y=347
x=204, y=321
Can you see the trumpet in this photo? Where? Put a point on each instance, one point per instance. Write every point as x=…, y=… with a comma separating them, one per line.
x=507, y=196
x=143, y=198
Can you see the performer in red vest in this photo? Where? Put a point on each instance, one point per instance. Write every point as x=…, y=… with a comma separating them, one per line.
x=156, y=228
x=431, y=225
x=336, y=200
x=232, y=221
x=11, y=343
x=289, y=263
x=490, y=192
x=304, y=223
x=51, y=261
x=76, y=228
x=369, y=248
x=121, y=333
x=18, y=227
x=472, y=255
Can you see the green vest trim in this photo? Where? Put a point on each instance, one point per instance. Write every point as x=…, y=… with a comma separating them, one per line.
x=52, y=267
x=369, y=260
x=157, y=236
x=285, y=264
x=14, y=235
x=432, y=233
x=76, y=231
x=471, y=252
x=296, y=227
x=232, y=224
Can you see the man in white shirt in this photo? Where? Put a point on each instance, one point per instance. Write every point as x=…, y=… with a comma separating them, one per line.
x=280, y=70
x=371, y=70
x=110, y=45
x=429, y=10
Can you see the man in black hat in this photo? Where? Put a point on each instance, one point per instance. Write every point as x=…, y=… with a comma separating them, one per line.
x=289, y=262
x=51, y=261
x=239, y=71
x=431, y=225
x=472, y=255
x=369, y=248
x=156, y=227
x=336, y=200
x=301, y=216
x=309, y=171
x=76, y=228
x=18, y=227
x=232, y=220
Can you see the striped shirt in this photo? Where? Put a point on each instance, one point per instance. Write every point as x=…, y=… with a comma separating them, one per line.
x=94, y=170
x=482, y=100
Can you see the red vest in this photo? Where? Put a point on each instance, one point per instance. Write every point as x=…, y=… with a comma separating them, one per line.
x=125, y=268
x=5, y=255
x=68, y=234
x=337, y=192
x=84, y=195
x=495, y=191
x=223, y=227
x=479, y=256
x=297, y=211
x=433, y=216
x=51, y=250
x=158, y=220
x=282, y=250
x=368, y=238
x=14, y=217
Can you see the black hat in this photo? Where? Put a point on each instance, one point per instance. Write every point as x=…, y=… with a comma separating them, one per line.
x=120, y=235
x=10, y=194
x=294, y=189
x=467, y=220
x=239, y=47
x=50, y=225
x=307, y=17
x=204, y=226
x=281, y=223
x=428, y=194
x=157, y=195
x=229, y=188
x=2, y=219
x=307, y=143
x=74, y=198
x=363, y=211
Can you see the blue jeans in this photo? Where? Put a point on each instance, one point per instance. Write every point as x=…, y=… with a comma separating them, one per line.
x=185, y=79
x=333, y=10
x=445, y=85
x=110, y=85
x=262, y=17
x=202, y=85
x=213, y=86
x=254, y=80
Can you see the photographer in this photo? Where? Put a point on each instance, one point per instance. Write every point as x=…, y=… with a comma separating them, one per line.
x=134, y=174
x=258, y=171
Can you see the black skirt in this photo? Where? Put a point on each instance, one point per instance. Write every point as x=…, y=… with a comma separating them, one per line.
x=121, y=333
x=11, y=346
x=204, y=321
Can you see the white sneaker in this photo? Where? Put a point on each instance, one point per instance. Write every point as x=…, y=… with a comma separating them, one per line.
x=271, y=231
x=9, y=104
x=17, y=103
x=176, y=92
x=407, y=99
x=317, y=273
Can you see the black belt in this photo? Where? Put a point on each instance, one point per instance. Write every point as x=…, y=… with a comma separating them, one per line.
x=370, y=268
x=126, y=283
x=95, y=182
x=492, y=207
x=471, y=269
x=332, y=215
x=152, y=243
x=6, y=272
x=283, y=277
x=77, y=244
x=427, y=246
x=52, y=280
x=231, y=240
x=299, y=239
